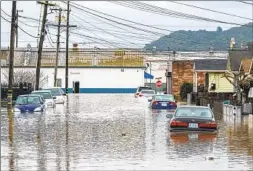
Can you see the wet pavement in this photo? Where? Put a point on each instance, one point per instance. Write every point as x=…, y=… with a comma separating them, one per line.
x=109, y=132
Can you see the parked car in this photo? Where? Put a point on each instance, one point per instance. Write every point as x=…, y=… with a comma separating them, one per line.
x=193, y=118
x=139, y=89
x=29, y=103
x=163, y=101
x=58, y=94
x=47, y=95
x=147, y=93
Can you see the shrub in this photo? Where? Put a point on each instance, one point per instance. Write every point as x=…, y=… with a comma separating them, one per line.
x=185, y=89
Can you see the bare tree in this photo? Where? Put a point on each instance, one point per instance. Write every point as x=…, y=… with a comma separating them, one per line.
x=238, y=80
x=23, y=75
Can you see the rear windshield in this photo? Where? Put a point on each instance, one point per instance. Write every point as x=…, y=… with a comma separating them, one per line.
x=55, y=92
x=194, y=112
x=144, y=88
x=45, y=95
x=147, y=92
x=165, y=98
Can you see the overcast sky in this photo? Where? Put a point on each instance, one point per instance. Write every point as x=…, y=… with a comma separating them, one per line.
x=103, y=33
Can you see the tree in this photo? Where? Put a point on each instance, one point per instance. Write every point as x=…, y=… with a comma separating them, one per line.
x=238, y=80
x=185, y=89
x=219, y=29
x=23, y=75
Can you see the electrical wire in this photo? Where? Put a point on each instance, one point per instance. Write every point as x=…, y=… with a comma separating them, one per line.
x=163, y=11
x=245, y=2
x=104, y=31
x=206, y=9
x=20, y=28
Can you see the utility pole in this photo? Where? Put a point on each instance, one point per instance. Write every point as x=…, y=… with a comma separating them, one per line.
x=58, y=47
x=58, y=44
x=17, y=11
x=42, y=36
x=12, y=41
x=67, y=52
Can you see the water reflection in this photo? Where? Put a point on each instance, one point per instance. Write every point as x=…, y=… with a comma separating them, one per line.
x=118, y=132
x=11, y=146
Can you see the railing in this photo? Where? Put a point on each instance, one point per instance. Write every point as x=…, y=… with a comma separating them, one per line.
x=77, y=58
x=231, y=110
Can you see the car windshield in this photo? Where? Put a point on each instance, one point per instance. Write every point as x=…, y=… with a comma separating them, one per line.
x=28, y=100
x=147, y=92
x=45, y=95
x=56, y=92
x=144, y=88
x=165, y=98
x=193, y=112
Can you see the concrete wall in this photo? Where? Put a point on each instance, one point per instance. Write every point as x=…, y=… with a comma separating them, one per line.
x=96, y=80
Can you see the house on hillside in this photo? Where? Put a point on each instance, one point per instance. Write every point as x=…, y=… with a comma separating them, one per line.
x=214, y=70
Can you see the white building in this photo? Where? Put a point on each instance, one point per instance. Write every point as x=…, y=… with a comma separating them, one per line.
x=92, y=79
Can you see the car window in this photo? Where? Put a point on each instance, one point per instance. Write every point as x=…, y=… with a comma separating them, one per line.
x=147, y=92
x=165, y=98
x=45, y=95
x=55, y=92
x=194, y=112
x=28, y=100
x=144, y=88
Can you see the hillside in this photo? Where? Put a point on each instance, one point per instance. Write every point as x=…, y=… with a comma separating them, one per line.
x=202, y=40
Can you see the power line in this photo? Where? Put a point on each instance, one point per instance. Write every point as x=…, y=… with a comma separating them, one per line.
x=21, y=29
x=245, y=2
x=206, y=9
x=163, y=11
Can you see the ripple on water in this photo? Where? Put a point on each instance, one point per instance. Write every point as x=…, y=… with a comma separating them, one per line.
x=117, y=131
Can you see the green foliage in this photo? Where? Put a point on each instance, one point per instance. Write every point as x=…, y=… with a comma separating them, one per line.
x=219, y=29
x=184, y=89
x=202, y=40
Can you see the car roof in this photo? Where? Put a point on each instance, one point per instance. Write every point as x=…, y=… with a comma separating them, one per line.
x=196, y=107
x=147, y=90
x=42, y=91
x=35, y=95
x=163, y=95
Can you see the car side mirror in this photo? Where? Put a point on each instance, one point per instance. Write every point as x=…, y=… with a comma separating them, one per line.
x=149, y=100
x=13, y=102
x=54, y=97
x=64, y=94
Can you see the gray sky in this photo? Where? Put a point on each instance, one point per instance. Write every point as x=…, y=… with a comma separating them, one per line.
x=123, y=36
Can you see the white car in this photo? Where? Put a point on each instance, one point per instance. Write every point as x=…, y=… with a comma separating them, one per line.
x=47, y=95
x=147, y=93
x=58, y=94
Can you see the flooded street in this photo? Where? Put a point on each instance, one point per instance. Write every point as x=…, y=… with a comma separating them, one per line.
x=108, y=132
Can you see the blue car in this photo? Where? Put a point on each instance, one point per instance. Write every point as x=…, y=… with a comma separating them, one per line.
x=29, y=103
x=163, y=101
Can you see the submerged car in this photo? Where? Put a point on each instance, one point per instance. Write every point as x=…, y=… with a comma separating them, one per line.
x=58, y=94
x=147, y=93
x=139, y=89
x=193, y=118
x=163, y=101
x=29, y=103
x=47, y=95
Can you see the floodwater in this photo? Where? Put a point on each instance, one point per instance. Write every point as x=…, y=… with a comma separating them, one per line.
x=109, y=132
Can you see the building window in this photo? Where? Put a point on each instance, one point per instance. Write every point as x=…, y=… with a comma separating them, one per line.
x=58, y=82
